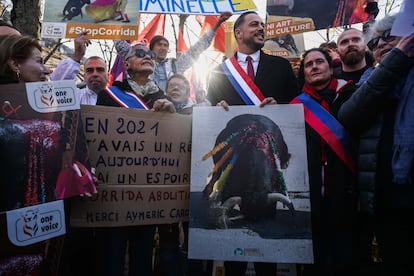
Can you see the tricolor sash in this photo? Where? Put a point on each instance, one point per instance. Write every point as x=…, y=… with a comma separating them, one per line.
x=126, y=99
x=331, y=131
x=242, y=83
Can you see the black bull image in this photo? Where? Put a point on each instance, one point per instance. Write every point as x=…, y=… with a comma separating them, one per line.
x=74, y=8
x=246, y=180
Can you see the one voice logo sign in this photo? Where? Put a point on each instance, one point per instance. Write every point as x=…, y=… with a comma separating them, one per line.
x=36, y=223
x=53, y=96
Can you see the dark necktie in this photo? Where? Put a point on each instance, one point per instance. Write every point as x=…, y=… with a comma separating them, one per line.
x=250, y=69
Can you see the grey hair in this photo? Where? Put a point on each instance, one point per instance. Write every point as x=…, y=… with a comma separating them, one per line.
x=380, y=26
x=131, y=51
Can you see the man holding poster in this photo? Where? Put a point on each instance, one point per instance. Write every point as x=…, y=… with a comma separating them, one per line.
x=230, y=84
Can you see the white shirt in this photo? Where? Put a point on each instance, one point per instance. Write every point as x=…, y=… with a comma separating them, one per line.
x=87, y=96
x=241, y=59
x=67, y=69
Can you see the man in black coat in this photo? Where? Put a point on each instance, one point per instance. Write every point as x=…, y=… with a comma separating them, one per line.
x=273, y=75
x=229, y=84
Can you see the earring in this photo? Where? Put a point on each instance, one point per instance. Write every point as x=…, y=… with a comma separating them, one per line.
x=18, y=74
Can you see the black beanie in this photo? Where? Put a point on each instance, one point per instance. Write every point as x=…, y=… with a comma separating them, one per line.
x=155, y=39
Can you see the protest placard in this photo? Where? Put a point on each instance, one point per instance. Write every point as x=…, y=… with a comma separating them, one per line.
x=142, y=162
x=103, y=19
x=250, y=198
x=40, y=141
x=44, y=154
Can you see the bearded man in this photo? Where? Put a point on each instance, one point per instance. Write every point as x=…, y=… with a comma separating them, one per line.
x=352, y=51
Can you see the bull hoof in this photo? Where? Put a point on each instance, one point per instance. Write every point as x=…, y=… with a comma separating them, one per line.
x=217, y=216
x=222, y=217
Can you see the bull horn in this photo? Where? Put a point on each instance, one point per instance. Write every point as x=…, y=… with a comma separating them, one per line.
x=227, y=205
x=232, y=201
x=275, y=197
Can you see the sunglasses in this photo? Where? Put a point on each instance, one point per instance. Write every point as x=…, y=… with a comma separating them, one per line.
x=142, y=53
x=386, y=36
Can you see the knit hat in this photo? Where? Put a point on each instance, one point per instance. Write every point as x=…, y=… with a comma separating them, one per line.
x=156, y=39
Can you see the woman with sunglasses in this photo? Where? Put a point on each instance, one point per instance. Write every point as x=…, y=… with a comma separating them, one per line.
x=381, y=113
x=137, y=90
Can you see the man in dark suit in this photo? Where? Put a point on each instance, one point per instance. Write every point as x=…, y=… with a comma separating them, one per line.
x=229, y=84
x=273, y=75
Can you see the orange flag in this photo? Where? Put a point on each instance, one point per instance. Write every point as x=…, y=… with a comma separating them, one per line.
x=181, y=45
x=208, y=23
x=154, y=27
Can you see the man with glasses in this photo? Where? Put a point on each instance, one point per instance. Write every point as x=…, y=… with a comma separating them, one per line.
x=136, y=91
x=178, y=89
x=380, y=113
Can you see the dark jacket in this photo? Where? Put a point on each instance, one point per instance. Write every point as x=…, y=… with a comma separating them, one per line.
x=332, y=188
x=336, y=207
x=274, y=77
x=355, y=76
x=370, y=114
x=105, y=99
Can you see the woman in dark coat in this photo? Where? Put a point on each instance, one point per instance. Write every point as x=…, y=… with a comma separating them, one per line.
x=330, y=165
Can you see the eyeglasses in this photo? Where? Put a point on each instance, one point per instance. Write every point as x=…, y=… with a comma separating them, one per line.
x=142, y=53
x=386, y=36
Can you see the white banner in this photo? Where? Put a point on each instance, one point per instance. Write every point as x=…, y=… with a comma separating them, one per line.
x=36, y=223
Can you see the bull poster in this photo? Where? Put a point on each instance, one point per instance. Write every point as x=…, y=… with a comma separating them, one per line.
x=103, y=19
x=289, y=46
x=43, y=149
x=249, y=191
x=142, y=162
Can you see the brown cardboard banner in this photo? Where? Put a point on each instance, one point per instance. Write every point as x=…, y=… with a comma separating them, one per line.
x=132, y=205
x=142, y=160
